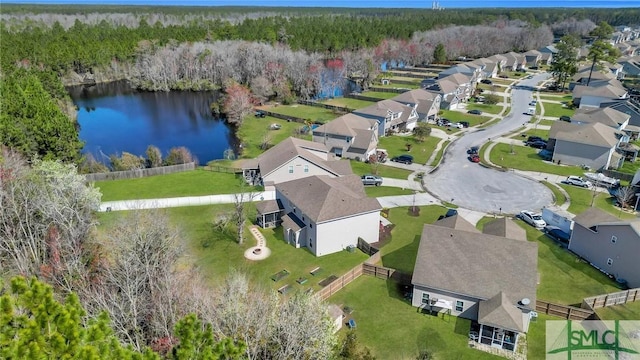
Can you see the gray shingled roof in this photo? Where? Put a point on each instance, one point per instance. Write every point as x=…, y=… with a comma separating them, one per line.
x=414, y=96
x=458, y=79
x=500, y=311
x=269, y=206
x=607, y=116
x=363, y=141
x=346, y=125
x=593, y=216
x=506, y=228
x=457, y=222
x=447, y=86
x=596, y=134
x=477, y=265
x=290, y=148
x=382, y=107
x=291, y=221
x=322, y=198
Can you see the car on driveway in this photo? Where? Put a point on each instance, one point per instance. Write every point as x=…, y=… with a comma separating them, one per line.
x=443, y=122
x=533, y=219
x=486, y=81
x=473, y=150
x=449, y=213
x=464, y=124
x=537, y=144
x=475, y=112
x=474, y=158
x=534, y=138
x=456, y=125
x=557, y=234
x=577, y=181
x=403, y=159
x=371, y=180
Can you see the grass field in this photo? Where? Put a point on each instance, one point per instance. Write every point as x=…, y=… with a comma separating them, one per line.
x=556, y=110
x=543, y=133
x=313, y=113
x=457, y=116
x=348, y=102
x=492, y=109
x=392, y=329
x=254, y=131
x=546, y=122
x=558, y=195
x=526, y=158
x=189, y=183
x=438, y=157
x=393, y=85
x=380, y=95
x=378, y=191
x=628, y=311
x=397, y=145
x=581, y=200
x=362, y=168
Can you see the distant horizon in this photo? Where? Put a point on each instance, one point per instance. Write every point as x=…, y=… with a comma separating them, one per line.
x=408, y=4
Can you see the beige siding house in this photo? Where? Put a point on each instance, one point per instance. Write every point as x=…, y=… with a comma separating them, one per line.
x=426, y=104
x=293, y=159
x=609, y=244
x=350, y=136
x=325, y=214
x=484, y=277
x=391, y=116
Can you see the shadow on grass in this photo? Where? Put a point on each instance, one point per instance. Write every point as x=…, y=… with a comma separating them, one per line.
x=429, y=338
x=398, y=291
x=404, y=258
x=462, y=326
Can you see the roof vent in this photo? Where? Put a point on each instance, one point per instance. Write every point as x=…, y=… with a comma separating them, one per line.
x=525, y=301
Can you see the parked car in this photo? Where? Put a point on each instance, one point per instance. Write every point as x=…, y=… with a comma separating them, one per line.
x=371, y=180
x=533, y=219
x=464, y=124
x=472, y=150
x=503, y=76
x=449, y=213
x=475, y=112
x=260, y=114
x=533, y=103
x=486, y=81
x=546, y=154
x=456, y=125
x=565, y=118
x=474, y=158
x=537, y=144
x=443, y=122
x=577, y=181
x=403, y=159
x=557, y=234
x=521, y=70
x=534, y=138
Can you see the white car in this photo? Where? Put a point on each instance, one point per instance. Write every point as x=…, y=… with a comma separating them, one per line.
x=578, y=181
x=532, y=219
x=456, y=125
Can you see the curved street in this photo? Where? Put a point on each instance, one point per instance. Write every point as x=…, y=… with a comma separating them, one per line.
x=472, y=186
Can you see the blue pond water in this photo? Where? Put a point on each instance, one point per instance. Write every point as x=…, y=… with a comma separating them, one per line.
x=114, y=118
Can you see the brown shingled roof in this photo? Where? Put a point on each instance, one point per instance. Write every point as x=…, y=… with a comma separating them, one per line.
x=506, y=228
x=477, y=265
x=593, y=216
x=346, y=125
x=596, y=134
x=607, y=116
x=500, y=311
x=323, y=198
x=458, y=223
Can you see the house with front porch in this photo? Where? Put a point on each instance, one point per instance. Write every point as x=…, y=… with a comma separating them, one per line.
x=349, y=136
x=592, y=144
x=293, y=159
x=488, y=279
x=609, y=244
x=323, y=214
x=426, y=104
x=532, y=58
x=515, y=61
x=392, y=116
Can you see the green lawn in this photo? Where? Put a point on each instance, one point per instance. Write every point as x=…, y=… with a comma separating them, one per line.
x=189, y=183
x=564, y=278
x=254, y=131
x=378, y=191
x=393, y=85
x=216, y=253
x=400, y=253
x=457, y=116
x=438, y=157
x=559, y=97
x=503, y=81
x=628, y=311
x=536, y=337
x=349, y=103
x=397, y=145
x=581, y=200
x=526, y=158
x=558, y=195
x=492, y=109
x=543, y=133
x=410, y=79
x=546, y=122
x=630, y=167
x=556, y=110
x=392, y=329
x=380, y=94
x=362, y=168
x=313, y=113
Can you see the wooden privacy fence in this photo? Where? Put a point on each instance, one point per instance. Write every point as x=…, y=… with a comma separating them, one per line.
x=389, y=90
x=407, y=74
x=223, y=169
x=140, y=173
x=382, y=272
x=284, y=117
x=362, y=97
x=339, y=283
x=563, y=311
x=611, y=299
x=339, y=109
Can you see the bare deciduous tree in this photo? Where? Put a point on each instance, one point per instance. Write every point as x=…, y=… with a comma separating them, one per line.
x=154, y=156
x=238, y=103
x=625, y=195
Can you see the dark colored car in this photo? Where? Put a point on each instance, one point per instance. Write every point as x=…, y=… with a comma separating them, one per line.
x=486, y=81
x=443, y=122
x=534, y=138
x=565, y=118
x=538, y=144
x=403, y=159
x=449, y=213
x=546, y=154
x=474, y=158
x=260, y=114
x=472, y=150
x=464, y=124
x=557, y=234
x=475, y=112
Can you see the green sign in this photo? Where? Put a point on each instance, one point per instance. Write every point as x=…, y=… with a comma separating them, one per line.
x=593, y=339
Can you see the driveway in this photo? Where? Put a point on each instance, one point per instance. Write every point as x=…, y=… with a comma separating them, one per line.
x=472, y=186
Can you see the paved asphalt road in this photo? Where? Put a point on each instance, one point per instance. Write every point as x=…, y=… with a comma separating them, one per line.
x=475, y=187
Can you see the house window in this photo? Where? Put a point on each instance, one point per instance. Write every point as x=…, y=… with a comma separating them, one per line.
x=425, y=298
x=348, y=139
x=459, y=306
x=290, y=169
x=311, y=226
x=609, y=261
x=310, y=243
x=306, y=168
x=614, y=239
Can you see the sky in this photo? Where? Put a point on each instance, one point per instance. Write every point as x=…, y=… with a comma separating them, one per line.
x=357, y=3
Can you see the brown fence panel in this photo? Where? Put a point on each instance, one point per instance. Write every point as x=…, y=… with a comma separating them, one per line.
x=339, y=283
x=223, y=169
x=140, y=173
x=611, y=299
x=390, y=90
x=284, y=117
x=563, y=311
x=338, y=109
